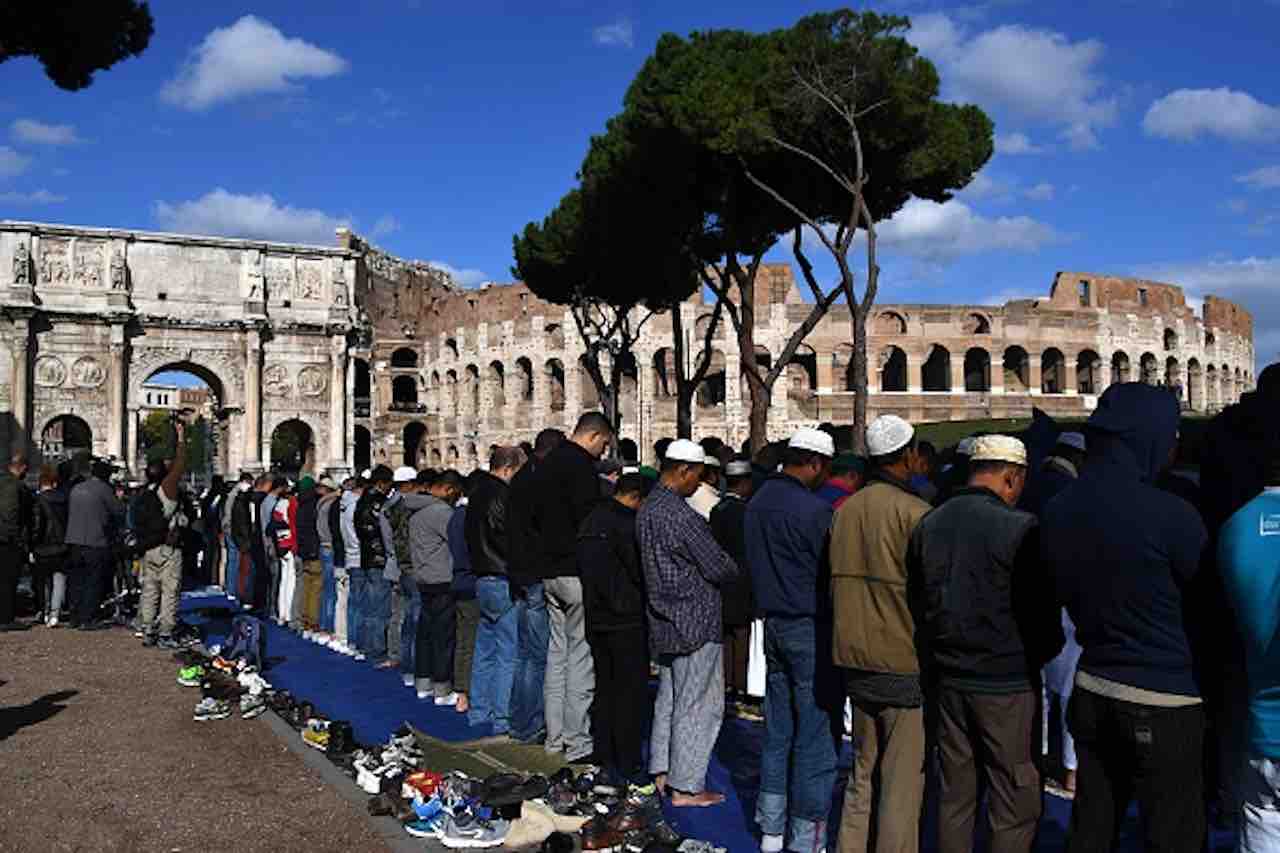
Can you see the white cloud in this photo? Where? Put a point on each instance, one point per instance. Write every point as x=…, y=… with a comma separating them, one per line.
x=1042, y=191
x=1016, y=143
x=1266, y=178
x=249, y=57
x=1188, y=114
x=12, y=163
x=984, y=186
x=618, y=33
x=31, y=198
x=465, y=277
x=259, y=217
x=1035, y=74
x=384, y=226
x=936, y=233
x=34, y=132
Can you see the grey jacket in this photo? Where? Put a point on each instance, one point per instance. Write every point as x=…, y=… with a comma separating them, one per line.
x=429, y=539
x=93, y=514
x=391, y=570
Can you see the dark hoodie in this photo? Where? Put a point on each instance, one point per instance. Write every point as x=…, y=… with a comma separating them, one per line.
x=1235, y=450
x=1121, y=552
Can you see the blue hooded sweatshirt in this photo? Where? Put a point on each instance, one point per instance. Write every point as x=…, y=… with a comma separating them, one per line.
x=1122, y=552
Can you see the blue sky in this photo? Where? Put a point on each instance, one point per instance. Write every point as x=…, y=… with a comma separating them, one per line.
x=1134, y=136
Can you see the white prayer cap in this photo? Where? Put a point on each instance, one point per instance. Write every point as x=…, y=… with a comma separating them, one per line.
x=405, y=474
x=713, y=461
x=1073, y=439
x=684, y=450
x=887, y=434
x=366, y=473
x=813, y=440
x=738, y=468
x=999, y=448
x=965, y=446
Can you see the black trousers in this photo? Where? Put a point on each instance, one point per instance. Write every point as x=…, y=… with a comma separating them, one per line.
x=620, y=709
x=92, y=569
x=437, y=633
x=12, y=559
x=1127, y=751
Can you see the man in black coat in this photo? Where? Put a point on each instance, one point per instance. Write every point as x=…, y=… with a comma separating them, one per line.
x=738, y=603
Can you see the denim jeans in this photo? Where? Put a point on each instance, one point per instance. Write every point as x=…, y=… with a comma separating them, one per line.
x=494, y=665
x=798, y=758
x=533, y=629
x=329, y=594
x=410, y=612
x=232, y=585
x=1260, y=829
x=371, y=597
x=357, y=607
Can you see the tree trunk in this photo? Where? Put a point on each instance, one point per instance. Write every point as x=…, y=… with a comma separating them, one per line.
x=858, y=328
x=761, y=396
x=684, y=410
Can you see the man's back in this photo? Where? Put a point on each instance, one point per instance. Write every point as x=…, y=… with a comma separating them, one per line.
x=90, y=514
x=486, y=527
x=567, y=492
x=524, y=550
x=786, y=529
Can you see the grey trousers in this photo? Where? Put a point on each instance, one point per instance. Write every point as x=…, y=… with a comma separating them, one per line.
x=570, y=682
x=161, y=584
x=396, y=622
x=687, y=716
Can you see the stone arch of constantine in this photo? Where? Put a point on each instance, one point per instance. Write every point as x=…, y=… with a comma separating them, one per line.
x=381, y=359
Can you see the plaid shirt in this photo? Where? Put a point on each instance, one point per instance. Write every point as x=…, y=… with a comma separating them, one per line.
x=683, y=570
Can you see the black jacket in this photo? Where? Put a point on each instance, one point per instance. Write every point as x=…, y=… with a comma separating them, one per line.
x=243, y=529
x=486, y=527
x=612, y=577
x=738, y=603
x=989, y=613
x=308, y=536
x=373, y=548
x=567, y=491
x=524, y=545
x=49, y=525
x=1233, y=467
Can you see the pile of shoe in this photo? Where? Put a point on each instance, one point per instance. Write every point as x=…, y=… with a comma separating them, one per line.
x=223, y=684
x=633, y=823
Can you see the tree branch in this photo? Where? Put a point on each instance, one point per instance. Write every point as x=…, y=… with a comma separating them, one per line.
x=780, y=199
x=844, y=182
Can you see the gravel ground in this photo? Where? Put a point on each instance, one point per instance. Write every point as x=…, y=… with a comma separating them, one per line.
x=98, y=752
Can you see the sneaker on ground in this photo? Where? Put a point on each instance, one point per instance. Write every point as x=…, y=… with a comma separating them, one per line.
x=212, y=709
x=148, y=640
x=360, y=656
x=52, y=622
x=407, y=678
x=191, y=676
x=316, y=733
x=251, y=706
x=424, y=694
x=448, y=699
x=432, y=827
x=168, y=643
x=470, y=832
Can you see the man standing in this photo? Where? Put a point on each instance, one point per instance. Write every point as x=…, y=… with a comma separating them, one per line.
x=1121, y=553
x=684, y=569
x=567, y=492
x=160, y=523
x=989, y=623
x=525, y=567
x=325, y=514
x=370, y=589
x=1249, y=559
x=232, y=582
x=312, y=577
x=406, y=603
x=847, y=475
x=737, y=602
x=268, y=586
x=348, y=622
x=93, y=515
x=433, y=573
x=15, y=522
x=786, y=530
x=493, y=667
x=874, y=641
x=707, y=496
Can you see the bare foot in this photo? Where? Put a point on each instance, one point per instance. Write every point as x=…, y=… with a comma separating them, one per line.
x=660, y=782
x=463, y=705
x=1069, y=781
x=702, y=800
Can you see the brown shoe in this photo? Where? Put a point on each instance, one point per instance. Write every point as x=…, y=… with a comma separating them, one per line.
x=601, y=840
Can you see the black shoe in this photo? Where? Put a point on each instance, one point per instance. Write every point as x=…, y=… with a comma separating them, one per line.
x=149, y=640
x=168, y=643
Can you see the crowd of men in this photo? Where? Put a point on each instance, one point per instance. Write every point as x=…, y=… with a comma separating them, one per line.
x=933, y=611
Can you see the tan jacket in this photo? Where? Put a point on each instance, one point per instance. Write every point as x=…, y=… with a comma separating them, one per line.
x=874, y=628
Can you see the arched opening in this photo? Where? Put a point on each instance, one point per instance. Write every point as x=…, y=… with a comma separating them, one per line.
x=1211, y=389
x=1210, y=339
x=1017, y=371
x=555, y=382
x=498, y=385
x=289, y=444
x=1224, y=374
x=890, y=323
x=196, y=392
x=473, y=457
x=587, y=392
x=893, y=370
x=629, y=387
x=843, y=358
x=664, y=375
x=802, y=382
x=363, y=448
x=1053, y=372
x=1149, y=369
x=67, y=438
x=412, y=438
x=1120, y=368
x=1088, y=372
x=453, y=456
x=453, y=400
x=555, y=336
x=404, y=394
x=363, y=394
x=1173, y=376
x=977, y=370
x=1195, y=384
x=1170, y=340
x=473, y=389
x=451, y=347
x=524, y=375
x=404, y=357
x=936, y=374
x=977, y=324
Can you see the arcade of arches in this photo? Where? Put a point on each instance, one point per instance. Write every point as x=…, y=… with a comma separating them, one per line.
x=349, y=357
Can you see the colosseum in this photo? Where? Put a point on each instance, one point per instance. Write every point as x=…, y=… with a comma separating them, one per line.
x=371, y=358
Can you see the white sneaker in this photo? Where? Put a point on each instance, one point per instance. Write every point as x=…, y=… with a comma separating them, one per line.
x=359, y=656
x=306, y=635
x=52, y=622
x=771, y=844
x=424, y=694
x=408, y=679
x=451, y=699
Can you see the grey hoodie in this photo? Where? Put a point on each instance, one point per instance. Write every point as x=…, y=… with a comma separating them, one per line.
x=429, y=538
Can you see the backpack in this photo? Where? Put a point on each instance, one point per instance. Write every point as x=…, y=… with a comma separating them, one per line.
x=335, y=531
x=247, y=641
x=399, y=518
x=52, y=530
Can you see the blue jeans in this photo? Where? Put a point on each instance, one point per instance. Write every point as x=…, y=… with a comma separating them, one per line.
x=410, y=611
x=357, y=607
x=798, y=759
x=329, y=595
x=377, y=618
x=533, y=628
x=233, y=568
x=494, y=665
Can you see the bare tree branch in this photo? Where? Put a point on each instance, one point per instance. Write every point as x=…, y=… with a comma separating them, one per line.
x=840, y=179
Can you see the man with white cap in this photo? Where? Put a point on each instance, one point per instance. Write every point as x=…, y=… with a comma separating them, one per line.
x=874, y=641
x=404, y=597
x=787, y=526
x=737, y=602
x=989, y=624
x=684, y=568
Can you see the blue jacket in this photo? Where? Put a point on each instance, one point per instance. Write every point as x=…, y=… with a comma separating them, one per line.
x=1122, y=552
x=787, y=529
x=464, y=579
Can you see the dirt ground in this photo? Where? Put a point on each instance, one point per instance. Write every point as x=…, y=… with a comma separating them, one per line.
x=98, y=752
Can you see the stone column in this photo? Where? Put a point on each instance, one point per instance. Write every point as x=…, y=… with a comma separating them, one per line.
x=21, y=392
x=1071, y=380
x=116, y=394
x=253, y=400
x=338, y=401
x=133, y=416
x=997, y=376
x=349, y=436
x=915, y=373
x=957, y=373
x=1033, y=372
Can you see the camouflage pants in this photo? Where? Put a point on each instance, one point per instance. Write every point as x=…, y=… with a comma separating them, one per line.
x=161, y=586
